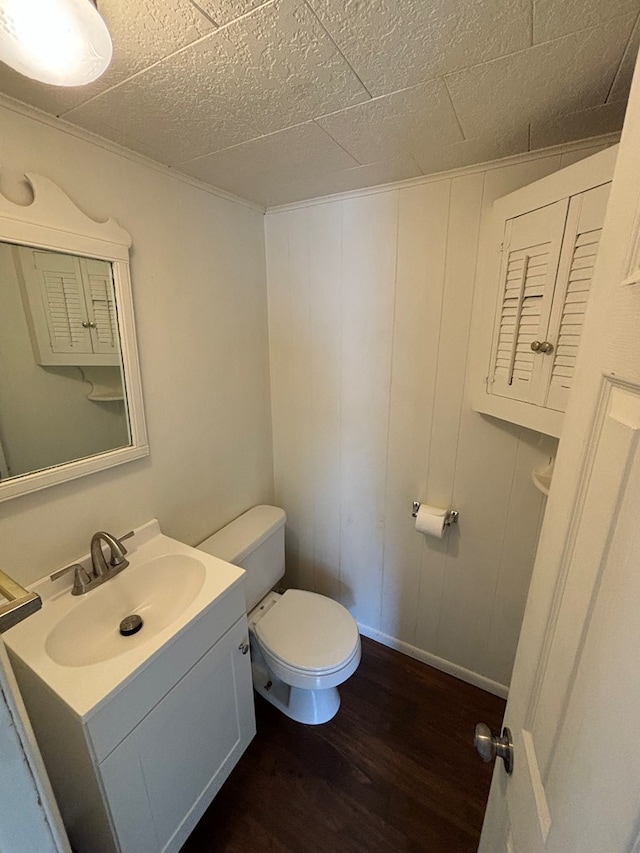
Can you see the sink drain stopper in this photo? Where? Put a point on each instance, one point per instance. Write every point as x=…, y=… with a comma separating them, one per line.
x=131, y=625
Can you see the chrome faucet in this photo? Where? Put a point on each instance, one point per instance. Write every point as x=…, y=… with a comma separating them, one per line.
x=116, y=558
x=101, y=570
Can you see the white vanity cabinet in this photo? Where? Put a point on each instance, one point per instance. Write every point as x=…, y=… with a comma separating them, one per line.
x=169, y=768
x=136, y=773
x=539, y=266
x=70, y=308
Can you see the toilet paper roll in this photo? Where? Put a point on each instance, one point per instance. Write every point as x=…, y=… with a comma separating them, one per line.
x=430, y=520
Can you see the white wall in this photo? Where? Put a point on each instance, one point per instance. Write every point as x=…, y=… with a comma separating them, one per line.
x=197, y=265
x=370, y=300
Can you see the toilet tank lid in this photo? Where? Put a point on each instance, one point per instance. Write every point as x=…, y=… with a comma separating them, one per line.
x=239, y=538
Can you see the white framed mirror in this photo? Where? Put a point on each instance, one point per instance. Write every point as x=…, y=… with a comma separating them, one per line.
x=70, y=391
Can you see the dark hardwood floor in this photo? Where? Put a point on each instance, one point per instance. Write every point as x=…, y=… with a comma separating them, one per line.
x=395, y=770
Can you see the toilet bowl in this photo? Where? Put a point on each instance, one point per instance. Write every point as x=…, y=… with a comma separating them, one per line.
x=303, y=645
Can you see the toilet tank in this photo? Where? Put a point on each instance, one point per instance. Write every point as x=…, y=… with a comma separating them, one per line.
x=255, y=542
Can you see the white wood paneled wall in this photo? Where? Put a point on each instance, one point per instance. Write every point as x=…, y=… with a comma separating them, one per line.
x=370, y=301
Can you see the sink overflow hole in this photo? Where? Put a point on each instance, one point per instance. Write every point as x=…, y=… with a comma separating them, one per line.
x=131, y=625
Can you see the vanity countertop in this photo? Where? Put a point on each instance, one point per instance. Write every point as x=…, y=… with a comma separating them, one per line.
x=73, y=643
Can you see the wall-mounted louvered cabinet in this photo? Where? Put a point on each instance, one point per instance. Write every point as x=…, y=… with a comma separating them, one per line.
x=69, y=308
x=539, y=263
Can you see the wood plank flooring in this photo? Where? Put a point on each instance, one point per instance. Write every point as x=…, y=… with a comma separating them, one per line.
x=395, y=770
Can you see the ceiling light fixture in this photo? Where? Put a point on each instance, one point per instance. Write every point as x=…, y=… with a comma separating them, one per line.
x=62, y=42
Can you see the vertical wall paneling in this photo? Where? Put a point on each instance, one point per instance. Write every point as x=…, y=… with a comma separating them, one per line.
x=517, y=554
x=461, y=246
x=325, y=252
x=290, y=387
x=368, y=282
x=422, y=240
x=371, y=300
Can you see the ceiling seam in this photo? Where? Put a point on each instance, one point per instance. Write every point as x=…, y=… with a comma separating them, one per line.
x=206, y=14
x=522, y=50
x=333, y=139
x=453, y=107
x=334, y=43
x=170, y=56
x=616, y=76
x=584, y=29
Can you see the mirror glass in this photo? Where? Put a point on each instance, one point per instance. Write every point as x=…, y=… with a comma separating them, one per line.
x=62, y=390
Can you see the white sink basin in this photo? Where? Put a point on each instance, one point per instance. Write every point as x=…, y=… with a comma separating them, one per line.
x=159, y=591
x=74, y=644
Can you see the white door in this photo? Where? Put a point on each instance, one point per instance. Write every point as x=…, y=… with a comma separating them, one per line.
x=29, y=817
x=574, y=704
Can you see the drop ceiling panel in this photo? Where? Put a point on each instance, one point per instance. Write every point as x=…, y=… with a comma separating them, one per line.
x=479, y=150
x=552, y=19
x=277, y=67
x=393, y=44
x=166, y=110
x=261, y=164
x=396, y=125
x=606, y=118
x=357, y=178
x=566, y=75
x=622, y=84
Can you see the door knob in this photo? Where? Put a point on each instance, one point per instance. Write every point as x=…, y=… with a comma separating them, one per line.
x=489, y=746
x=546, y=346
x=535, y=345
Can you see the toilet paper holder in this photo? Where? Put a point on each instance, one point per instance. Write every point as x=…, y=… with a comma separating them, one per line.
x=450, y=518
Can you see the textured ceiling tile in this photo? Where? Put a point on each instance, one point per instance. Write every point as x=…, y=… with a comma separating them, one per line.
x=567, y=75
x=290, y=155
x=278, y=67
x=393, y=44
x=471, y=151
x=396, y=125
x=622, y=83
x=554, y=18
x=165, y=110
x=361, y=177
x=594, y=122
x=142, y=32
x=224, y=11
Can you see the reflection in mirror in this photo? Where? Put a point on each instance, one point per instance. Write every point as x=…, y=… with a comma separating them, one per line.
x=61, y=371
x=70, y=389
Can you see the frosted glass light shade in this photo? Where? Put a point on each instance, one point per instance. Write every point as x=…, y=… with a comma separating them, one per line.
x=63, y=42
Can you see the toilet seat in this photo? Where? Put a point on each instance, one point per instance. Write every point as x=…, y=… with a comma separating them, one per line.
x=308, y=633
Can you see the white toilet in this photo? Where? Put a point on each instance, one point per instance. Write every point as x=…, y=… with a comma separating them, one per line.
x=303, y=645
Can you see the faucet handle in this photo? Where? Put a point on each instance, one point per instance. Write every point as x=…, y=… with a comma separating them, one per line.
x=80, y=581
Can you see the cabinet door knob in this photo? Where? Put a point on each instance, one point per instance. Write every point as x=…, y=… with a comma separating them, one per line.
x=546, y=347
x=86, y=325
x=244, y=647
x=536, y=345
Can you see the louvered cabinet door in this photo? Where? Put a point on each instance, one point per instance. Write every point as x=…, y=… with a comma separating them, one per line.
x=575, y=273
x=56, y=295
x=530, y=258
x=101, y=307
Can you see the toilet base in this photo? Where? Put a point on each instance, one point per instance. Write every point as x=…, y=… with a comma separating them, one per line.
x=312, y=707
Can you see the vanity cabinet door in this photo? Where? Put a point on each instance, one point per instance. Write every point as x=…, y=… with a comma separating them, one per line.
x=161, y=778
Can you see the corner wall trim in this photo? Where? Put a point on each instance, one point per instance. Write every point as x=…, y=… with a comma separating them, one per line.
x=460, y=672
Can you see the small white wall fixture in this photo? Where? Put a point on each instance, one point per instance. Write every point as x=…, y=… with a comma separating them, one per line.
x=53, y=222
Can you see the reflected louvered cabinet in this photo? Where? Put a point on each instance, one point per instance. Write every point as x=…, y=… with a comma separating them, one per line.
x=548, y=235
x=69, y=307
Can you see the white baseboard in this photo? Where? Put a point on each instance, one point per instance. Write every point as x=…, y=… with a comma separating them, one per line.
x=437, y=663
